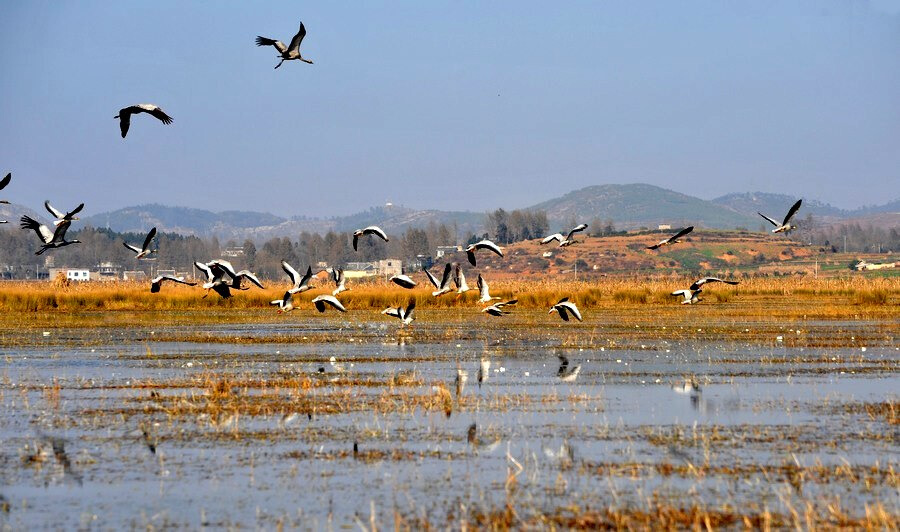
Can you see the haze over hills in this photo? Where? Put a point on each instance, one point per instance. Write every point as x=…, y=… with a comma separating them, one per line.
x=629, y=206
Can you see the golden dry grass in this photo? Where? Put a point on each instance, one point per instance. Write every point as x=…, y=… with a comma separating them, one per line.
x=49, y=296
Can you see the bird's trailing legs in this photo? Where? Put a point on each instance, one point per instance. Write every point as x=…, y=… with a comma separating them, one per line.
x=279, y=63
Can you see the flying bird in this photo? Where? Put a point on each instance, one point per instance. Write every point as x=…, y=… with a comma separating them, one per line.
x=301, y=283
x=459, y=279
x=784, y=226
x=672, y=239
x=62, y=216
x=215, y=279
x=497, y=308
x=321, y=301
x=700, y=282
x=403, y=280
x=285, y=304
x=337, y=275
x=689, y=297
x=371, y=230
x=567, y=240
x=406, y=315
x=567, y=372
x=144, y=250
x=443, y=286
x=484, y=291
x=55, y=239
x=124, y=115
x=286, y=53
x=565, y=307
x=157, y=282
x=483, y=244
x=5, y=181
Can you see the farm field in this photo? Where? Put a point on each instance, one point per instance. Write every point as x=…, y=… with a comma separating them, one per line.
x=120, y=405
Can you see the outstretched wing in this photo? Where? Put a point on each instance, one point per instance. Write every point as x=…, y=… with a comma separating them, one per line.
x=55, y=212
x=60, y=234
x=576, y=229
x=445, y=278
x=161, y=115
x=75, y=211
x=247, y=274
x=792, y=211
x=125, y=120
x=771, y=221
x=149, y=239
x=551, y=238
x=295, y=42
x=132, y=248
x=375, y=230
x=432, y=278
x=291, y=272
x=681, y=233
x=42, y=231
x=5, y=180
x=263, y=41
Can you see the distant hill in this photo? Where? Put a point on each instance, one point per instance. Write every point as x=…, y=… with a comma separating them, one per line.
x=629, y=206
x=636, y=205
x=183, y=220
x=239, y=225
x=777, y=205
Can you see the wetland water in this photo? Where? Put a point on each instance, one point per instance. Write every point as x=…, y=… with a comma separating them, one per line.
x=254, y=424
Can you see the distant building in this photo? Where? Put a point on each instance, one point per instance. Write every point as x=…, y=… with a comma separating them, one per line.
x=353, y=270
x=134, y=275
x=390, y=267
x=863, y=265
x=108, y=271
x=665, y=227
x=72, y=274
x=446, y=250
x=423, y=262
x=234, y=251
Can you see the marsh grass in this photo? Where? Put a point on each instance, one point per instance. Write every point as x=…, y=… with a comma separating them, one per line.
x=121, y=296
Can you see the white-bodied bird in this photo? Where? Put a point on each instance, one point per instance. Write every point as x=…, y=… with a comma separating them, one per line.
x=285, y=304
x=784, y=226
x=482, y=244
x=484, y=291
x=403, y=280
x=337, y=275
x=443, y=286
x=157, y=282
x=62, y=216
x=144, y=250
x=497, y=308
x=565, y=307
x=672, y=239
x=406, y=315
x=688, y=297
x=371, y=230
x=567, y=240
x=321, y=301
x=300, y=283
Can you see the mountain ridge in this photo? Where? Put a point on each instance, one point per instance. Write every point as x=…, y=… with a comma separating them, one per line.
x=629, y=206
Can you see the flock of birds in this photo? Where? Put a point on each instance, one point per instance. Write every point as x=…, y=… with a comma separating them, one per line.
x=222, y=278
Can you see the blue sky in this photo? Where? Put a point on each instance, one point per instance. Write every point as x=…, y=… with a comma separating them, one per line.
x=450, y=105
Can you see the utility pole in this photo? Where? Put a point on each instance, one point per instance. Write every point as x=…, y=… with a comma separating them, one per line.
x=845, y=243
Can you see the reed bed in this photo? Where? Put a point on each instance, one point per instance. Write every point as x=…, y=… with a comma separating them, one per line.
x=121, y=296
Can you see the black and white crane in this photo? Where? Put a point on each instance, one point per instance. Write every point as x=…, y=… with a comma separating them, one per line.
x=144, y=250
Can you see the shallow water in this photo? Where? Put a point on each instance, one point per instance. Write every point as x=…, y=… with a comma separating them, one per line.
x=774, y=424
